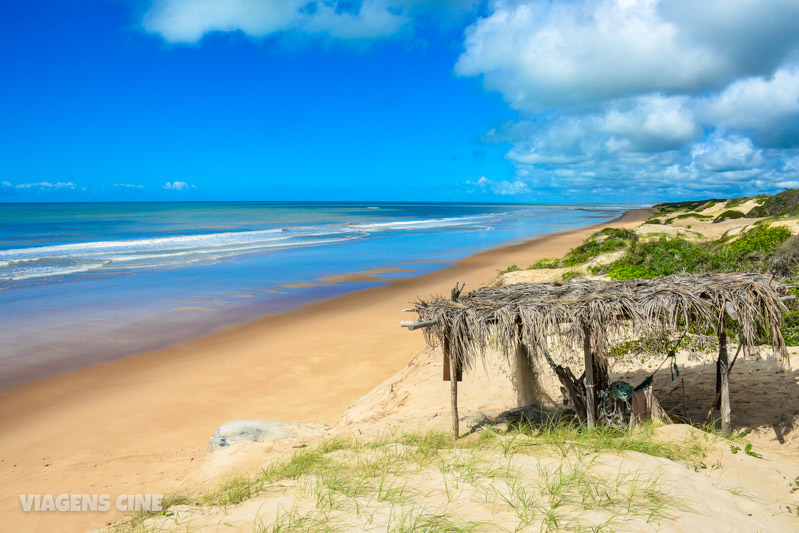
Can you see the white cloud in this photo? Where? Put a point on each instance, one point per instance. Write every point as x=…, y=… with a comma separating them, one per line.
x=47, y=185
x=654, y=123
x=178, y=186
x=770, y=107
x=643, y=97
x=726, y=154
x=503, y=187
x=186, y=21
x=131, y=186
x=542, y=55
x=547, y=55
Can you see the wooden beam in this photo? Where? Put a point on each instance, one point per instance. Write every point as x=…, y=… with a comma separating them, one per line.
x=412, y=324
x=590, y=393
x=723, y=382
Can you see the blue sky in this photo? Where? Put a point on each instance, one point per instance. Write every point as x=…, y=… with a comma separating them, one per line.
x=521, y=101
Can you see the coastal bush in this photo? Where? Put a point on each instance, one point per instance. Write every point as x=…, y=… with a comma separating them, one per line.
x=621, y=271
x=512, y=268
x=735, y=202
x=697, y=216
x=790, y=328
x=783, y=204
x=728, y=215
x=570, y=274
x=654, y=221
x=785, y=260
x=690, y=205
x=602, y=242
x=750, y=251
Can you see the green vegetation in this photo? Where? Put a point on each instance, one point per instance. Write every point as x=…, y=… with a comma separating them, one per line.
x=602, y=242
x=345, y=485
x=570, y=274
x=735, y=202
x=729, y=214
x=697, y=216
x=751, y=251
x=783, y=204
x=512, y=268
x=692, y=205
x=747, y=450
x=654, y=221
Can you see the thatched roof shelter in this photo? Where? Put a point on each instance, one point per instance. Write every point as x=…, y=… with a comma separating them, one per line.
x=588, y=314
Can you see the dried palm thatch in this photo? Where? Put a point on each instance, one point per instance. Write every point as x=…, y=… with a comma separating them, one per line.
x=565, y=313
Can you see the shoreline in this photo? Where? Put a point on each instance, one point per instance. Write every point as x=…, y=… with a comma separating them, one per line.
x=57, y=326
x=141, y=423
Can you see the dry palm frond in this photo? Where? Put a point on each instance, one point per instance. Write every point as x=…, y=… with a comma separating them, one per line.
x=565, y=312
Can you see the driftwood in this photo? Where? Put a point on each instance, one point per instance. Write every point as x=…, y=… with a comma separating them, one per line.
x=574, y=390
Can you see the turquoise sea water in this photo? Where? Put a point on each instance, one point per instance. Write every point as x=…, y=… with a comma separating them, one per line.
x=83, y=283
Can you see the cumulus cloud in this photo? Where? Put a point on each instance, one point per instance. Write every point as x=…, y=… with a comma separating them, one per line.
x=545, y=55
x=186, y=21
x=643, y=96
x=726, y=154
x=767, y=107
x=178, y=186
x=131, y=186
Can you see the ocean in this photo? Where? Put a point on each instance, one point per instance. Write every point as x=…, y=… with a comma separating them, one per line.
x=82, y=283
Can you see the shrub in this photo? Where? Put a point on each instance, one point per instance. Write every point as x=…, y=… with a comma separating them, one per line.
x=790, y=329
x=620, y=271
x=512, y=268
x=785, y=260
x=785, y=203
x=602, y=242
x=569, y=275
x=728, y=215
x=692, y=205
x=751, y=251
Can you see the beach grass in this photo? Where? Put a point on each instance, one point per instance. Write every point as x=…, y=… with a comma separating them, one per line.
x=530, y=475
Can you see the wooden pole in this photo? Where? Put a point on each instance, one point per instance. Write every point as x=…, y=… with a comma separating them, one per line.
x=453, y=387
x=718, y=393
x=525, y=379
x=723, y=381
x=590, y=394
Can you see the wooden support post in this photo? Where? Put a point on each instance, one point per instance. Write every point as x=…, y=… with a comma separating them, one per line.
x=723, y=381
x=453, y=387
x=525, y=379
x=590, y=393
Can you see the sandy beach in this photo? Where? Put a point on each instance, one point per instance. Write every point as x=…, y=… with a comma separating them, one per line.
x=142, y=424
